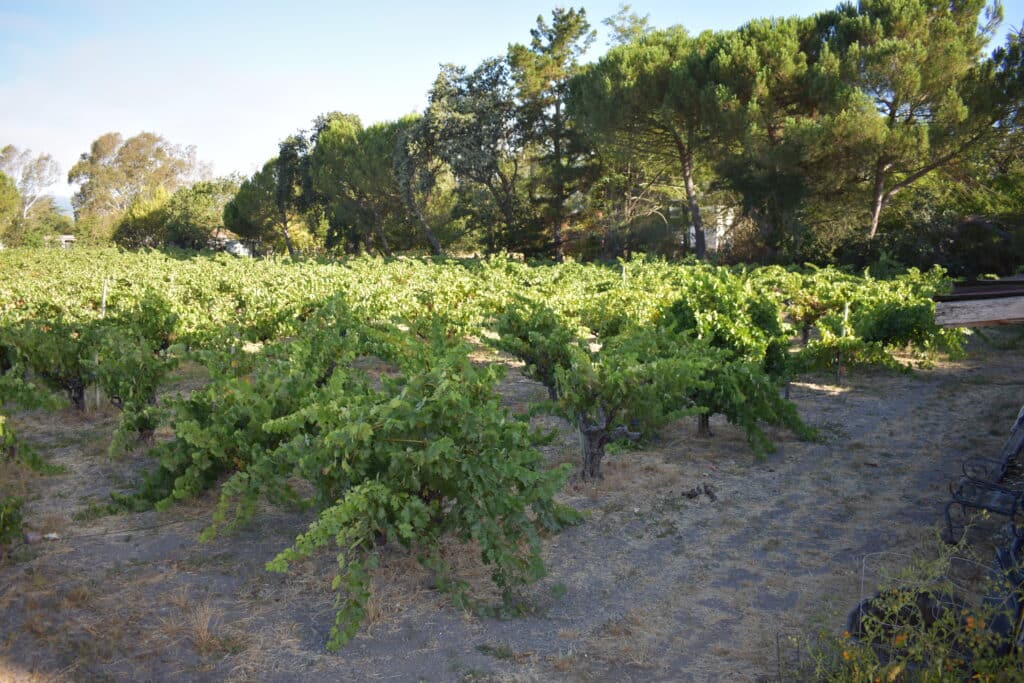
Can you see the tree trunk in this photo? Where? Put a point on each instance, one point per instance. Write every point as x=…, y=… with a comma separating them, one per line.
x=686, y=161
x=378, y=231
x=435, y=245
x=699, y=241
x=878, y=198
x=559, y=240
x=384, y=247
x=410, y=200
x=287, y=236
x=559, y=184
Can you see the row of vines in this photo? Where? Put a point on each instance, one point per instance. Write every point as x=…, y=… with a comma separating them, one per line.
x=416, y=447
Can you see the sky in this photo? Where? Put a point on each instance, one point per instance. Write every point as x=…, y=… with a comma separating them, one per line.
x=235, y=78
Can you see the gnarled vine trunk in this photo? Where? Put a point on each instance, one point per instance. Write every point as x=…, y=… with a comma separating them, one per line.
x=76, y=393
x=594, y=436
x=704, y=425
x=592, y=445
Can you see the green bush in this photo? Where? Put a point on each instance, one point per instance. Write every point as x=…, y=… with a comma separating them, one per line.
x=896, y=323
x=918, y=628
x=411, y=453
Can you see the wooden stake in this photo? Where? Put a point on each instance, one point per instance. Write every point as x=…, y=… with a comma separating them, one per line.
x=96, y=358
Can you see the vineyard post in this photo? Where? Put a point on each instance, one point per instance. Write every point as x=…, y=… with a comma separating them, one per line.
x=96, y=358
x=839, y=354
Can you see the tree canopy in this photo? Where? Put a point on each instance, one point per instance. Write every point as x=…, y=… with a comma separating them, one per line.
x=115, y=171
x=874, y=129
x=252, y=213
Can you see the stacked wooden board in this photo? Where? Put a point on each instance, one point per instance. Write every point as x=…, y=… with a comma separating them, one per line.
x=982, y=303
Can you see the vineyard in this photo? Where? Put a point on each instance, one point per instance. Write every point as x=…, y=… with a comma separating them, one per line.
x=450, y=423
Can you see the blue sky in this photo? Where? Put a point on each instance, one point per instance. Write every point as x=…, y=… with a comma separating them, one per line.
x=234, y=78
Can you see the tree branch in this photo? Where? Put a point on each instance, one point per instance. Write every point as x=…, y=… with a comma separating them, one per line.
x=622, y=432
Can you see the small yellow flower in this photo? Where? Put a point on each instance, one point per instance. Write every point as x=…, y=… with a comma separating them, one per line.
x=846, y=654
x=900, y=639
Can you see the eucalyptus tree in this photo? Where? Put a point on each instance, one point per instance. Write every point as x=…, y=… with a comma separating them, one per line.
x=10, y=205
x=541, y=73
x=116, y=170
x=43, y=217
x=31, y=174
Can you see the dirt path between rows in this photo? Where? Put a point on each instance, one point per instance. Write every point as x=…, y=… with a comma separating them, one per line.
x=655, y=585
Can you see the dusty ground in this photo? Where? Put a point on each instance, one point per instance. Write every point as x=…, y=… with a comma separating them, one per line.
x=655, y=585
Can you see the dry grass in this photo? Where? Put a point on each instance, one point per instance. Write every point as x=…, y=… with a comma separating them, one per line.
x=563, y=662
x=15, y=479
x=397, y=588
x=200, y=625
x=264, y=650
x=637, y=474
x=204, y=626
x=77, y=597
x=635, y=638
